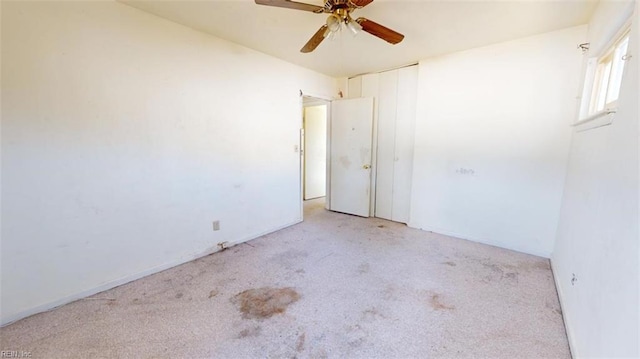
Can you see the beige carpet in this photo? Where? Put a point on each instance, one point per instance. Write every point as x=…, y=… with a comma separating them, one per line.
x=335, y=286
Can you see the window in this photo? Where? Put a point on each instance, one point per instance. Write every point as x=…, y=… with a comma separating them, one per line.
x=608, y=76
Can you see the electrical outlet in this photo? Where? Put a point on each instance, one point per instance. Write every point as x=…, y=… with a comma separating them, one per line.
x=216, y=225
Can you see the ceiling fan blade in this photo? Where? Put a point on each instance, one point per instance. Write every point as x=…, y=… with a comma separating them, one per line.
x=291, y=5
x=361, y=3
x=315, y=40
x=380, y=31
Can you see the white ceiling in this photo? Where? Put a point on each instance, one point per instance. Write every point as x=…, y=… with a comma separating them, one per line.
x=431, y=28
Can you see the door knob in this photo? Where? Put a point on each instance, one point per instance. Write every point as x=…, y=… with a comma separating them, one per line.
x=366, y=167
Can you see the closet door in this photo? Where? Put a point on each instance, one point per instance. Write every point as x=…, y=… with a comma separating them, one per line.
x=394, y=94
x=404, y=143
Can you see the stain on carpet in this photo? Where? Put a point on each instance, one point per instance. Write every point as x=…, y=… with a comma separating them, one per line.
x=264, y=302
x=290, y=258
x=543, y=265
x=371, y=315
x=389, y=293
x=364, y=268
x=300, y=345
x=450, y=264
x=554, y=307
x=213, y=293
x=497, y=272
x=355, y=335
x=436, y=303
x=249, y=332
x=512, y=276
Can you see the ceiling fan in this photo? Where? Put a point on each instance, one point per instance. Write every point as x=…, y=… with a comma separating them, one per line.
x=339, y=14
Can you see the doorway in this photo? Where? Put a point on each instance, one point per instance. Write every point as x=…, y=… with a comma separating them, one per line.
x=315, y=113
x=336, y=150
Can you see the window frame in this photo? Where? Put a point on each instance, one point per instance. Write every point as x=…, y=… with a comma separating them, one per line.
x=602, y=71
x=609, y=67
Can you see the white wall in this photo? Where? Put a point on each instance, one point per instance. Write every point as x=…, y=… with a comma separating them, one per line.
x=315, y=151
x=598, y=234
x=492, y=138
x=124, y=136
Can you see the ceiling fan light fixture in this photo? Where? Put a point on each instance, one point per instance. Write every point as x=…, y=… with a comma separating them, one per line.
x=333, y=23
x=328, y=34
x=353, y=26
x=339, y=16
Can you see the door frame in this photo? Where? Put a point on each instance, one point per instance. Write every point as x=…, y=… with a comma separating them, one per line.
x=310, y=102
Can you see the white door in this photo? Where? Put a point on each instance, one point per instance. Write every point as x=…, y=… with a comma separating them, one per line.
x=351, y=137
x=315, y=151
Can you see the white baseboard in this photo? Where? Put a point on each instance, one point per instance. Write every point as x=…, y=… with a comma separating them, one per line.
x=479, y=240
x=129, y=278
x=565, y=315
